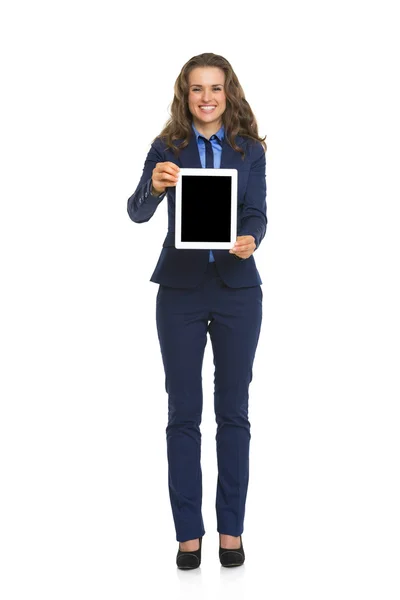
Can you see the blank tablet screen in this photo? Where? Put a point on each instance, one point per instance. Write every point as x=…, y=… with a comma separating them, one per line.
x=206, y=208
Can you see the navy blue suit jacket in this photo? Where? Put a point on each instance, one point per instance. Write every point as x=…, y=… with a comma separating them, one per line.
x=185, y=268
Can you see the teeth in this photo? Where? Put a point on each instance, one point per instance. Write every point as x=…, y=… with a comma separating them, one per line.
x=209, y=108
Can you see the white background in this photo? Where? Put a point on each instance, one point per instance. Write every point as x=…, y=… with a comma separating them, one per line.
x=84, y=505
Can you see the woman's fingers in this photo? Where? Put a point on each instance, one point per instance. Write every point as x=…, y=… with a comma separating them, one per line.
x=244, y=246
x=168, y=170
x=165, y=174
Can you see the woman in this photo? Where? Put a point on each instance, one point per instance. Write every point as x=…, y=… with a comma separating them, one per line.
x=214, y=291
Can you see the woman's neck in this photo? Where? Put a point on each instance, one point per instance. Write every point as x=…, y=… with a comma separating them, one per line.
x=207, y=129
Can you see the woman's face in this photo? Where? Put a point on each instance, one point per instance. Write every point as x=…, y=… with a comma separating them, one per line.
x=206, y=87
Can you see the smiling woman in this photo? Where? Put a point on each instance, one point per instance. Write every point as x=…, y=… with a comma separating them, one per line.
x=211, y=291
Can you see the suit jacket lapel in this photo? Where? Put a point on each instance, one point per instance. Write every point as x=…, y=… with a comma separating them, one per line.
x=189, y=157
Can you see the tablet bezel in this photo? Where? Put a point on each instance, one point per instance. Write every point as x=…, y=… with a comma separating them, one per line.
x=199, y=172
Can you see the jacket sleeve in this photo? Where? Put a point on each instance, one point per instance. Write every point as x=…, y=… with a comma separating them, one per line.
x=142, y=204
x=254, y=214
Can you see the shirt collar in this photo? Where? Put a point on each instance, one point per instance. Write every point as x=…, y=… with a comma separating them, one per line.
x=220, y=133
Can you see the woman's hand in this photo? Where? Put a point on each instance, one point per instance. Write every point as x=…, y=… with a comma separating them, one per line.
x=165, y=174
x=244, y=246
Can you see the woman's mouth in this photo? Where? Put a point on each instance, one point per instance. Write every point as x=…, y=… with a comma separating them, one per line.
x=207, y=109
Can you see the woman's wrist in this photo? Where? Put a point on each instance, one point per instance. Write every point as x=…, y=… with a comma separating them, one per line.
x=154, y=192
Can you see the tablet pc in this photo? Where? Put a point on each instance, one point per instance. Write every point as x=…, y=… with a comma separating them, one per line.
x=206, y=208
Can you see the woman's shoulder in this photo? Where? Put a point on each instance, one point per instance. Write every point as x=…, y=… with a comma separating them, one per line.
x=253, y=146
x=159, y=144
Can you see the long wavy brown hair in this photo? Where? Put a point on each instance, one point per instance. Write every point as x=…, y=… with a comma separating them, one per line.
x=237, y=118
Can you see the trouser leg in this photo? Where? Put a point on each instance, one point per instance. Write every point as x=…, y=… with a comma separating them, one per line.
x=234, y=332
x=182, y=332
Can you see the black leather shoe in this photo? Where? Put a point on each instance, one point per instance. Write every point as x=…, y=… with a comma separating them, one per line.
x=231, y=558
x=189, y=559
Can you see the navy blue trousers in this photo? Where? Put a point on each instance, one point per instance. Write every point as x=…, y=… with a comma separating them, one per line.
x=232, y=317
